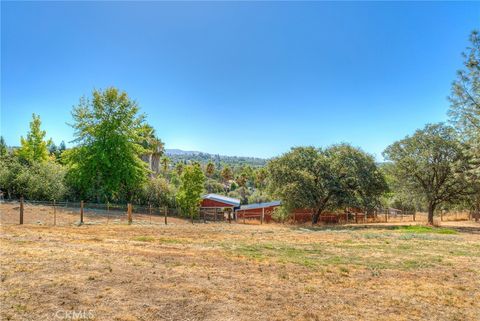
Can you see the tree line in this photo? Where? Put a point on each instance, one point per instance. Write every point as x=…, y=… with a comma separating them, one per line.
x=436, y=167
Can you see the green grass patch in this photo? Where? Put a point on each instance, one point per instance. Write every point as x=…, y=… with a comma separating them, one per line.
x=144, y=238
x=425, y=229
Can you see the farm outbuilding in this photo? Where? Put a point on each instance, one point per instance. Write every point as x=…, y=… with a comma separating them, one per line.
x=262, y=211
x=218, y=207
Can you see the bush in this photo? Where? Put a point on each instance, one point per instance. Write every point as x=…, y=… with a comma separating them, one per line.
x=280, y=214
x=212, y=186
x=158, y=192
x=40, y=181
x=259, y=197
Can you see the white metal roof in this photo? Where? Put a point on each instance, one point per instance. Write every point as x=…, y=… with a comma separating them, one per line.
x=221, y=198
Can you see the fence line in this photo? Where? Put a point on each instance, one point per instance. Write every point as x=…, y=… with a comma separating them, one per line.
x=69, y=213
x=63, y=213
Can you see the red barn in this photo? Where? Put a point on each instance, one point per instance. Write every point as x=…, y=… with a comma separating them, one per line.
x=216, y=206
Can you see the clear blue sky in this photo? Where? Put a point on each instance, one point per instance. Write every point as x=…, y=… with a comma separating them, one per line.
x=244, y=78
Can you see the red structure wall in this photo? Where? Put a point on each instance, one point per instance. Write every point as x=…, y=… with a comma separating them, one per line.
x=256, y=213
x=305, y=215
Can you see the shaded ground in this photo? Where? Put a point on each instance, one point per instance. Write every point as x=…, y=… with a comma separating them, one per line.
x=222, y=271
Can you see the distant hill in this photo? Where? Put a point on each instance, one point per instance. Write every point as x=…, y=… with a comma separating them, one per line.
x=181, y=152
x=178, y=155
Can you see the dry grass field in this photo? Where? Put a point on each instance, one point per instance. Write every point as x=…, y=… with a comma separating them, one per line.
x=222, y=271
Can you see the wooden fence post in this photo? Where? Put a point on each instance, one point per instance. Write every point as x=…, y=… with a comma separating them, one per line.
x=414, y=213
x=150, y=211
x=129, y=213
x=21, y=210
x=54, y=214
x=263, y=215
x=166, y=214
x=81, y=212
x=386, y=216
x=441, y=215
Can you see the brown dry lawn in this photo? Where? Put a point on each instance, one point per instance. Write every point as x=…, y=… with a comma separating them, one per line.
x=222, y=271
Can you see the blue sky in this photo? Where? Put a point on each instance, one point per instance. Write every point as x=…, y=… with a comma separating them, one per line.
x=243, y=78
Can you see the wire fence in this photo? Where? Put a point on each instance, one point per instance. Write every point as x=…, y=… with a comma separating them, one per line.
x=65, y=213
x=75, y=213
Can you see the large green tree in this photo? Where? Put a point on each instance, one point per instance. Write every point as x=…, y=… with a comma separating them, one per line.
x=432, y=164
x=110, y=135
x=465, y=113
x=34, y=148
x=191, y=188
x=465, y=95
x=320, y=179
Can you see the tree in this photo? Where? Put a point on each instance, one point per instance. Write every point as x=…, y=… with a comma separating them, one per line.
x=154, y=148
x=227, y=174
x=465, y=112
x=366, y=183
x=3, y=147
x=158, y=192
x=34, y=148
x=213, y=186
x=318, y=179
x=210, y=169
x=432, y=164
x=465, y=95
x=106, y=163
x=164, y=161
x=191, y=189
x=260, y=177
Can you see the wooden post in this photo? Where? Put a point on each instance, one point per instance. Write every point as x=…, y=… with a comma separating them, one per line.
x=441, y=215
x=21, y=210
x=54, y=214
x=215, y=215
x=414, y=212
x=230, y=217
x=263, y=215
x=81, y=212
x=108, y=211
x=386, y=216
x=356, y=218
x=204, y=216
x=166, y=214
x=129, y=213
x=150, y=211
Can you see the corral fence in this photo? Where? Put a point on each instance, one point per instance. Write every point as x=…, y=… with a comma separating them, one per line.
x=66, y=213
x=380, y=216
x=76, y=213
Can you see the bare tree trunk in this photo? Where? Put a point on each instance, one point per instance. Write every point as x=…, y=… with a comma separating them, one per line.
x=315, y=216
x=431, y=210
